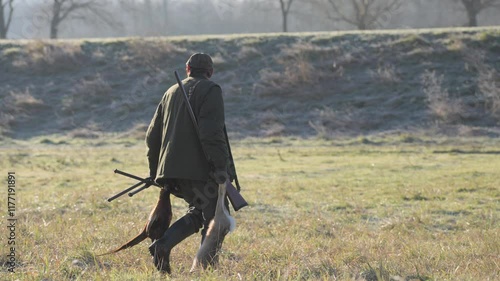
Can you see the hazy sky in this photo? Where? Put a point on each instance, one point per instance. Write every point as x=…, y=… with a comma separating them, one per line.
x=184, y=17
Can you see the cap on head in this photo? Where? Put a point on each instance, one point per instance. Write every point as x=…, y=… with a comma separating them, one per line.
x=200, y=61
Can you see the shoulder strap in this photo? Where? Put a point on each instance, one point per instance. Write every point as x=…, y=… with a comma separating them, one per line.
x=193, y=88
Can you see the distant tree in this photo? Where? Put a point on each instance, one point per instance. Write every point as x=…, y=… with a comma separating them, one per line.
x=5, y=20
x=77, y=9
x=285, y=6
x=364, y=14
x=474, y=7
x=148, y=18
x=165, y=12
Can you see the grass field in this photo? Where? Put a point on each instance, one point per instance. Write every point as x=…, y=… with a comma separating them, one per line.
x=363, y=155
x=394, y=208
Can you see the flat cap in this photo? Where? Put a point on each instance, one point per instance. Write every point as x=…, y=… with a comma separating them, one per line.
x=200, y=60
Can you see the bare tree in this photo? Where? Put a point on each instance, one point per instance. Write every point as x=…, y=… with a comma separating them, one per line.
x=77, y=9
x=285, y=6
x=5, y=20
x=474, y=7
x=149, y=19
x=364, y=14
x=164, y=14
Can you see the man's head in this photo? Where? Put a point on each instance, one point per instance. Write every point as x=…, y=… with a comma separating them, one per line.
x=200, y=64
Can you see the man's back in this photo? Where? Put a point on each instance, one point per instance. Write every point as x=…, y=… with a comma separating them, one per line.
x=174, y=137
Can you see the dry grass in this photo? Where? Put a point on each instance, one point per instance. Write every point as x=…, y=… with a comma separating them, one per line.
x=17, y=105
x=488, y=80
x=489, y=85
x=87, y=94
x=21, y=102
x=443, y=106
x=152, y=51
x=137, y=132
x=90, y=131
x=248, y=52
x=319, y=210
x=271, y=124
x=44, y=57
x=297, y=71
x=327, y=122
x=386, y=73
x=298, y=67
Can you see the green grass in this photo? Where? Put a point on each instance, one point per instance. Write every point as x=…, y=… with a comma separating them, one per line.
x=378, y=208
x=368, y=198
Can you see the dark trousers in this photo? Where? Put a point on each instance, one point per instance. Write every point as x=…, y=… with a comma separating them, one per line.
x=201, y=197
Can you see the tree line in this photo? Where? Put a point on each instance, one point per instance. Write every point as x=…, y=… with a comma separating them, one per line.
x=152, y=17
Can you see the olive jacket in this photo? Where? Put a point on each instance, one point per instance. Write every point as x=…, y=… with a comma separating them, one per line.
x=174, y=150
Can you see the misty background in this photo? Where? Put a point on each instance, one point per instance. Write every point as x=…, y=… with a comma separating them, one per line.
x=31, y=19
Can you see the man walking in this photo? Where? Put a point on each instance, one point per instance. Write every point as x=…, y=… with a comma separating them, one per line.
x=178, y=157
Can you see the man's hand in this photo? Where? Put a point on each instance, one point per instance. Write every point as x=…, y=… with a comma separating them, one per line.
x=150, y=179
x=220, y=177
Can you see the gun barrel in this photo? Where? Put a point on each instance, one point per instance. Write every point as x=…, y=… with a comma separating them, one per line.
x=142, y=180
x=128, y=175
x=124, y=191
x=139, y=190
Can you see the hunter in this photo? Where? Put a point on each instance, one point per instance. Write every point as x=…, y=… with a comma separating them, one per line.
x=188, y=166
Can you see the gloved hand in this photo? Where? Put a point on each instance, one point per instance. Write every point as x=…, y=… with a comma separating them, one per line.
x=231, y=172
x=220, y=177
x=150, y=178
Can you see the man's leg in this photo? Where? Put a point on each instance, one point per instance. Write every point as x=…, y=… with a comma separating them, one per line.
x=202, y=202
x=176, y=233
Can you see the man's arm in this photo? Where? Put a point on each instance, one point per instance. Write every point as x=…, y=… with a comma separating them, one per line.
x=211, y=127
x=153, y=141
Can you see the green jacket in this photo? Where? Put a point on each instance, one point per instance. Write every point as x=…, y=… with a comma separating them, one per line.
x=174, y=150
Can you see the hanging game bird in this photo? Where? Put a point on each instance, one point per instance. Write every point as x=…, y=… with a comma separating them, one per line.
x=158, y=222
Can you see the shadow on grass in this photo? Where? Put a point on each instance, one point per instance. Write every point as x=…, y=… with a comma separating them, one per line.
x=382, y=274
x=460, y=151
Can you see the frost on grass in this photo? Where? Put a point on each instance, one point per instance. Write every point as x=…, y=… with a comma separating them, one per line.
x=87, y=93
x=18, y=104
x=441, y=104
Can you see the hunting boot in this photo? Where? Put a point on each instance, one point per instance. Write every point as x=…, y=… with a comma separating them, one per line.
x=160, y=249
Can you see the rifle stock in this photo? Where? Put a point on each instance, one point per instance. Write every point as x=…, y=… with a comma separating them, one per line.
x=142, y=180
x=124, y=191
x=235, y=197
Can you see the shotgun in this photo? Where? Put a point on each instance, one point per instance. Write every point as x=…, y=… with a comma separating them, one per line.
x=234, y=196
